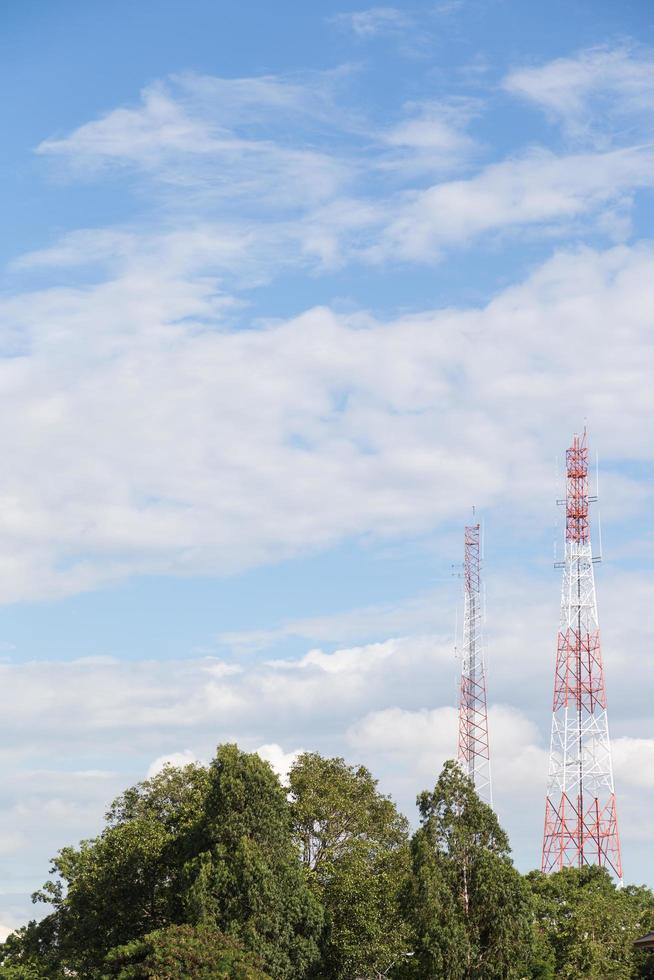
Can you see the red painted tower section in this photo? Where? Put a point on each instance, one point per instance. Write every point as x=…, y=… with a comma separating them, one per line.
x=581, y=824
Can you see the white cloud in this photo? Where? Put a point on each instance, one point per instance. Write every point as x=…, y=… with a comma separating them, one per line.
x=257, y=174
x=419, y=614
x=416, y=30
x=264, y=99
x=96, y=660
x=137, y=135
x=600, y=93
x=198, y=449
x=272, y=753
x=416, y=740
x=140, y=701
x=633, y=761
x=419, y=742
x=12, y=841
x=355, y=660
x=194, y=134
x=183, y=758
x=374, y=21
x=432, y=125
x=431, y=138
x=280, y=761
x=218, y=668
x=539, y=190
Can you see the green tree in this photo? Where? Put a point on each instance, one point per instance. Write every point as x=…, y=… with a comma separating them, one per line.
x=243, y=872
x=590, y=924
x=200, y=952
x=469, y=908
x=24, y=972
x=642, y=903
x=354, y=845
x=30, y=953
x=126, y=882
x=207, y=847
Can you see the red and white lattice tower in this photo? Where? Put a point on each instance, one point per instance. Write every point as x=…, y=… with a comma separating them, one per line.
x=473, y=750
x=581, y=824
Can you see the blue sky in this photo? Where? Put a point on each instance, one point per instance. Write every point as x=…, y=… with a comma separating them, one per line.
x=286, y=289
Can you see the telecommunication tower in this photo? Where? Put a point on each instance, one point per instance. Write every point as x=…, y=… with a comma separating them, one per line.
x=473, y=749
x=581, y=823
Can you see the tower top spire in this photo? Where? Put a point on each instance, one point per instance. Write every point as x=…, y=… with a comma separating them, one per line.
x=577, y=524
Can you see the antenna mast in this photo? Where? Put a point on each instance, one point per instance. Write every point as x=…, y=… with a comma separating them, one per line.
x=581, y=823
x=473, y=749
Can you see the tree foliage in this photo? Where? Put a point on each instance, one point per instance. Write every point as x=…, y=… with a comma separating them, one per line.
x=354, y=844
x=590, y=924
x=202, y=952
x=469, y=907
x=210, y=847
x=221, y=871
x=127, y=881
x=243, y=874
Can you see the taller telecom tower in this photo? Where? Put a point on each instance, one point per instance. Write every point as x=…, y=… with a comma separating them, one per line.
x=473, y=751
x=581, y=823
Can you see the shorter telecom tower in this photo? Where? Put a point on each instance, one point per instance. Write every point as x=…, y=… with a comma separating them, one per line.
x=473, y=750
x=581, y=823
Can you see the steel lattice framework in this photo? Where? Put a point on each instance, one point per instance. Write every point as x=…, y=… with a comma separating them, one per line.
x=581, y=824
x=473, y=749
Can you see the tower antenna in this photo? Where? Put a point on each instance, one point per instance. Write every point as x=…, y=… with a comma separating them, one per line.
x=473, y=749
x=581, y=823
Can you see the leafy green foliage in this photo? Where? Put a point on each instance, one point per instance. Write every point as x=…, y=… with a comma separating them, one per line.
x=220, y=872
x=28, y=953
x=126, y=882
x=642, y=902
x=590, y=924
x=243, y=873
x=354, y=844
x=469, y=908
x=201, y=952
x=199, y=846
x=22, y=973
